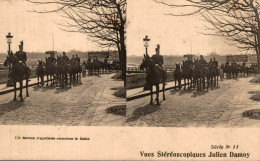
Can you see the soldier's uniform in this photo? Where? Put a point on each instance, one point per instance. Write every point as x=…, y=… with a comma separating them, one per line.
x=211, y=63
x=202, y=61
x=215, y=62
x=65, y=59
x=52, y=59
x=21, y=55
x=77, y=59
x=158, y=59
x=73, y=58
x=189, y=62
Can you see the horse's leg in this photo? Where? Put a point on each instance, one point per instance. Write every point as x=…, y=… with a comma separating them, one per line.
x=175, y=83
x=151, y=93
x=184, y=83
x=38, y=80
x=188, y=83
x=47, y=80
x=164, y=98
x=14, y=91
x=52, y=78
x=21, y=91
x=62, y=80
x=157, y=94
x=71, y=75
x=27, y=91
x=42, y=80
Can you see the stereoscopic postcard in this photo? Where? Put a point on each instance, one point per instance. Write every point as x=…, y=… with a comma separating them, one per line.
x=130, y=80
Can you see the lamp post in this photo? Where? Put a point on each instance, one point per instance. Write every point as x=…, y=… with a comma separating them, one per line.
x=146, y=45
x=9, y=42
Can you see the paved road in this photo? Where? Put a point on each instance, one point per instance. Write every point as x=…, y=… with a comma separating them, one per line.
x=221, y=106
x=83, y=104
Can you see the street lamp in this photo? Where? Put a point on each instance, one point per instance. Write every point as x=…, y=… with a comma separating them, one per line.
x=146, y=41
x=9, y=41
x=146, y=45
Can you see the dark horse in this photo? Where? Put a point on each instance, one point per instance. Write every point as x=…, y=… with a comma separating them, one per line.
x=19, y=72
x=155, y=76
x=40, y=72
x=177, y=75
x=187, y=72
x=50, y=71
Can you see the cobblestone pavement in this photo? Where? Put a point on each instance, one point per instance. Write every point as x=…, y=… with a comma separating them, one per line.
x=68, y=106
x=220, y=106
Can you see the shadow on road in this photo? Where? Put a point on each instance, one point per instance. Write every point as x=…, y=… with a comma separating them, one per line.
x=77, y=84
x=214, y=88
x=199, y=93
x=10, y=106
x=42, y=88
x=181, y=91
x=255, y=95
x=142, y=111
x=61, y=90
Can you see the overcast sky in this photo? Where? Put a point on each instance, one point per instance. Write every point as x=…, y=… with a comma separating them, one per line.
x=36, y=29
x=174, y=34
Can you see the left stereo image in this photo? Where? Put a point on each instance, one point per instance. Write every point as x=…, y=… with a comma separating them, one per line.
x=62, y=66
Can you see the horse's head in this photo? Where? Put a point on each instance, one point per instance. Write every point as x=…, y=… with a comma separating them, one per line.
x=147, y=62
x=178, y=66
x=10, y=59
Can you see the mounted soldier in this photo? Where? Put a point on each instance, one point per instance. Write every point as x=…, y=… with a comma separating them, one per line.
x=215, y=62
x=106, y=59
x=65, y=58
x=202, y=61
x=77, y=59
x=210, y=62
x=73, y=58
x=89, y=59
x=21, y=55
x=52, y=59
x=158, y=59
x=189, y=62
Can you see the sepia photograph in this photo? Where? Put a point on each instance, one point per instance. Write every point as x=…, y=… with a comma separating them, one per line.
x=129, y=79
x=62, y=62
x=193, y=63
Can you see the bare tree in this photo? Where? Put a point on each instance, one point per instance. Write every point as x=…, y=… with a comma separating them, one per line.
x=236, y=20
x=103, y=21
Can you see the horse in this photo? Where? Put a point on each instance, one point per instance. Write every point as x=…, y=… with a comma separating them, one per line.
x=75, y=70
x=96, y=67
x=177, y=75
x=234, y=69
x=61, y=72
x=83, y=69
x=19, y=72
x=40, y=72
x=213, y=71
x=197, y=75
x=187, y=75
x=221, y=72
x=155, y=76
x=50, y=71
x=90, y=67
